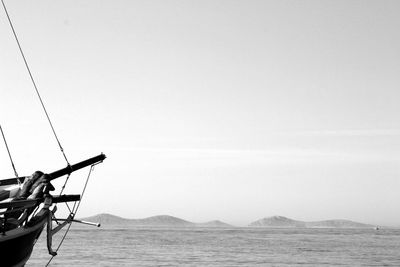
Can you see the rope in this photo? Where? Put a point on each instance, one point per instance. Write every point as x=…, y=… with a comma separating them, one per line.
x=65, y=183
x=73, y=212
x=33, y=81
x=59, y=245
x=9, y=154
x=84, y=188
x=62, y=190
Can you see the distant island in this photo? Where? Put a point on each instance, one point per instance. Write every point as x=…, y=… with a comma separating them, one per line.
x=269, y=222
x=283, y=222
x=154, y=221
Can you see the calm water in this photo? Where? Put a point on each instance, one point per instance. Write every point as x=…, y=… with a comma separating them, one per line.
x=224, y=247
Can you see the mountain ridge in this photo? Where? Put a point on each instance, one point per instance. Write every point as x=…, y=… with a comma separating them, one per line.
x=268, y=222
x=283, y=222
x=153, y=221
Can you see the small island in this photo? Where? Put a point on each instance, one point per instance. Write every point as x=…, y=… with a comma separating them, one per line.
x=283, y=222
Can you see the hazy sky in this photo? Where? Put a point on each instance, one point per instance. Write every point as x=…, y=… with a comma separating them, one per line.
x=229, y=110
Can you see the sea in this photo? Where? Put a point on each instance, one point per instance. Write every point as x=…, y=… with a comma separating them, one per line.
x=222, y=247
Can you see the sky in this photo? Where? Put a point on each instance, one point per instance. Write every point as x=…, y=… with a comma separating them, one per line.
x=228, y=110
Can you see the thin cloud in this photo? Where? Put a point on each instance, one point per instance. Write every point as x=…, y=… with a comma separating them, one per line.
x=363, y=132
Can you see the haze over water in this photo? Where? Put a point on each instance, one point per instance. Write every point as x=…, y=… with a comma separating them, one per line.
x=224, y=247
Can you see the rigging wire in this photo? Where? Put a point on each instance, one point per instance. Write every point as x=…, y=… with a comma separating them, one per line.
x=9, y=154
x=33, y=81
x=73, y=212
x=76, y=205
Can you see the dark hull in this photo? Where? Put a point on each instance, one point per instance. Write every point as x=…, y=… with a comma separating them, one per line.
x=16, y=245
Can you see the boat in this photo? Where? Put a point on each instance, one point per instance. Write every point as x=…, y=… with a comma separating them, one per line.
x=24, y=218
x=28, y=204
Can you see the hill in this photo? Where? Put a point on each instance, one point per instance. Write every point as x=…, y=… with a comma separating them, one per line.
x=283, y=222
x=337, y=224
x=277, y=222
x=161, y=220
x=154, y=221
x=215, y=223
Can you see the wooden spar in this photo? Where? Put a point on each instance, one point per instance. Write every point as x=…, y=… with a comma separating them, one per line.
x=78, y=221
x=77, y=166
x=26, y=203
x=65, y=198
x=61, y=172
x=11, y=181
